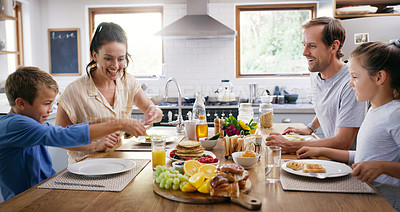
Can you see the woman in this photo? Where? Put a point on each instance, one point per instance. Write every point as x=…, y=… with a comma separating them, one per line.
x=106, y=91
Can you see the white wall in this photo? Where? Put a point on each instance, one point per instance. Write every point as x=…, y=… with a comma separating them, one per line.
x=198, y=65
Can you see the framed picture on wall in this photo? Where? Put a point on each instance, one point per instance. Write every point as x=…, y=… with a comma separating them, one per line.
x=64, y=51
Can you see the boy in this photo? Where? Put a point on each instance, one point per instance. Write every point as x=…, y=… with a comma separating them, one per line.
x=24, y=160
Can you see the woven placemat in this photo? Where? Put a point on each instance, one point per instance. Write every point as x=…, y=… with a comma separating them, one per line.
x=114, y=182
x=345, y=184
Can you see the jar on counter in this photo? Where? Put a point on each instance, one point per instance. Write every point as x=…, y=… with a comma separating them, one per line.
x=246, y=112
x=266, y=115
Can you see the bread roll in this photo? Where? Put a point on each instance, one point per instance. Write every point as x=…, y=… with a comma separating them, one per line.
x=316, y=168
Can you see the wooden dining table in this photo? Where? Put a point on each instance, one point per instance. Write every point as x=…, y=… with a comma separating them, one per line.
x=138, y=195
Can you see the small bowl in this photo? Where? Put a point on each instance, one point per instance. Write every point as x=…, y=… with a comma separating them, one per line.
x=291, y=98
x=178, y=165
x=208, y=144
x=245, y=162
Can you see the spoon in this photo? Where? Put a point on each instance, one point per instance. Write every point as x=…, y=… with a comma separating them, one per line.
x=323, y=175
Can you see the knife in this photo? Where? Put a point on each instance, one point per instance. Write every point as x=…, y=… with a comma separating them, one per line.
x=79, y=184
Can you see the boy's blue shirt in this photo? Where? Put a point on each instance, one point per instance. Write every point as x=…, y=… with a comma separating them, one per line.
x=24, y=160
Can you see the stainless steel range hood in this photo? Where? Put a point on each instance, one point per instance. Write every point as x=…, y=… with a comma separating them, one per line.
x=197, y=24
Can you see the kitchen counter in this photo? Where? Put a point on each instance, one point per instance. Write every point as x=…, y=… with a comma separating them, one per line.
x=138, y=195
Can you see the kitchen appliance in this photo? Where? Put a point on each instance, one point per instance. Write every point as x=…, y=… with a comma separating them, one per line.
x=197, y=24
x=225, y=92
x=382, y=28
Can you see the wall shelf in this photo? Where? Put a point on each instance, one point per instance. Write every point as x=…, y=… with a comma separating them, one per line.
x=381, y=4
x=6, y=17
x=8, y=52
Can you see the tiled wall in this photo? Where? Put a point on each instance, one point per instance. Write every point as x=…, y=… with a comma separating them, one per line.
x=200, y=65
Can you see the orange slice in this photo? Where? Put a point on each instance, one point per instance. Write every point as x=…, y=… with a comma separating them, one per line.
x=191, y=166
x=188, y=187
x=197, y=179
x=206, y=187
x=208, y=169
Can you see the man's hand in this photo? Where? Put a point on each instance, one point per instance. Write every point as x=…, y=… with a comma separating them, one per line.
x=302, y=131
x=276, y=139
x=368, y=171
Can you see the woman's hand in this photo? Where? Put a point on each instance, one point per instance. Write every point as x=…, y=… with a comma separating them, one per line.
x=368, y=171
x=152, y=114
x=134, y=127
x=301, y=131
x=308, y=152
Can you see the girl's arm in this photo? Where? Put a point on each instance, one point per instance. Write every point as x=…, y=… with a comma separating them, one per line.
x=334, y=154
x=367, y=171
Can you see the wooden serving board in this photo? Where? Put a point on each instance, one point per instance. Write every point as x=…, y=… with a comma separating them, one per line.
x=197, y=197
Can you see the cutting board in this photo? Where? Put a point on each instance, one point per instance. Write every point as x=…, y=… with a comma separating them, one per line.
x=197, y=197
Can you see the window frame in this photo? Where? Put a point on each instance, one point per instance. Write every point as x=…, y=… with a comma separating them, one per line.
x=123, y=10
x=264, y=7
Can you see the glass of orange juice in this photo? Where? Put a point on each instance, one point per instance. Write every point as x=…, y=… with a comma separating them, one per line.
x=158, y=150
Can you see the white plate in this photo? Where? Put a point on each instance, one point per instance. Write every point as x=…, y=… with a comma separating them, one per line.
x=298, y=137
x=205, y=152
x=333, y=169
x=169, y=139
x=101, y=166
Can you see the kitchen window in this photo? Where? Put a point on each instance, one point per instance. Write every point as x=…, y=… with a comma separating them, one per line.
x=269, y=39
x=140, y=24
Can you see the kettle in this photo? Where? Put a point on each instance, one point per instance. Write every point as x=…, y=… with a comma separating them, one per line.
x=7, y=7
x=224, y=91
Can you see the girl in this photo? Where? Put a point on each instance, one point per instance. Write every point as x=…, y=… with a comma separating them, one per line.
x=375, y=73
x=106, y=91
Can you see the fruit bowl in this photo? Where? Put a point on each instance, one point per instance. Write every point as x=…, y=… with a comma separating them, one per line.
x=208, y=144
x=245, y=162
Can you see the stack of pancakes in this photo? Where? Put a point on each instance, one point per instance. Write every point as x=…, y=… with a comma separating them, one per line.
x=189, y=149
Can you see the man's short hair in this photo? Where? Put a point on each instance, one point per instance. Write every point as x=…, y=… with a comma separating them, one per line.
x=332, y=31
x=25, y=82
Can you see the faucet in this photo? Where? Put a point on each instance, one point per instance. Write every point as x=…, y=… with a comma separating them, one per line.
x=179, y=121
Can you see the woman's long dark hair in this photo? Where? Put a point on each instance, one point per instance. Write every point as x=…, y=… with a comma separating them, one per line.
x=107, y=32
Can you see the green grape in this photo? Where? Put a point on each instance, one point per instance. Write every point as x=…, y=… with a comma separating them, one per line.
x=158, y=180
x=163, y=168
x=187, y=174
x=163, y=181
x=167, y=174
x=182, y=184
x=171, y=169
x=167, y=186
x=176, y=181
x=169, y=181
x=158, y=172
x=175, y=187
x=162, y=175
x=173, y=175
x=155, y=174
x=158, y=168
x=176, y=172
x=181, y=178
x=162, y=185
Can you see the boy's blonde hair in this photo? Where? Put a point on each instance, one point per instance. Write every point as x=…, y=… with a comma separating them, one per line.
x=25, y=82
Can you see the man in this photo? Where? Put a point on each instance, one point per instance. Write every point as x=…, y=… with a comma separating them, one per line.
x=338, y=113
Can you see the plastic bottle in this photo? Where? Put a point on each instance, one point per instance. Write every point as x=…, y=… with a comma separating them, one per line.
x=246, y=112
x=266, y=115
x=201, y=128
x=199, y=109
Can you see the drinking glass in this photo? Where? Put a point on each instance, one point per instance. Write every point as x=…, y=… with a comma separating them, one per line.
x=272, y=163
x=158, y=148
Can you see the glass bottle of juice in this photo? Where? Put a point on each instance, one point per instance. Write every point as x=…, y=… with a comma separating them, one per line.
x=201, y=128
x=158, y=148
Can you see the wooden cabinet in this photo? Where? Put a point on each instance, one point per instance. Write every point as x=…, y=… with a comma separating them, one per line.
x=381, y=4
